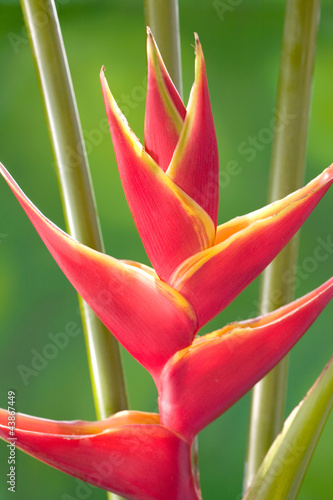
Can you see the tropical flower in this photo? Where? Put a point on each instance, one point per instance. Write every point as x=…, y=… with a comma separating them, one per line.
x=172, y=187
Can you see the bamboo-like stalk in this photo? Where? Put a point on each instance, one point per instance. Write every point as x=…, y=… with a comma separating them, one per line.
x=162, y=16
x=287, y=173
x=76, y=190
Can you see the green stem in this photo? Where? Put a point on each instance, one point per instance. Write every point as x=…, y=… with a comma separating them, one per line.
x=75, y=188
x=162, y=16
x=287, y=173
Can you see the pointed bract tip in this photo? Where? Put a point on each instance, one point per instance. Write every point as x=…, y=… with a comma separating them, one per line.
x=151, y=43
x=329, y=172
x=198, y=48
x=197, y=42
x=103, y=80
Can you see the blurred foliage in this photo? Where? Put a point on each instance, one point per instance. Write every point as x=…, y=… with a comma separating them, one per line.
x=242, y=51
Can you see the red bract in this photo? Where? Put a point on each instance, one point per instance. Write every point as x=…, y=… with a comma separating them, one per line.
x=130, y=453
x=202, y=381
x=244, y=246
x=172, y=189
x=165, y=111
x=132, y=302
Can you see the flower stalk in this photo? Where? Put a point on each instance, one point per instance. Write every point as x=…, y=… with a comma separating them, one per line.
x=287, y=174
x=76, y=190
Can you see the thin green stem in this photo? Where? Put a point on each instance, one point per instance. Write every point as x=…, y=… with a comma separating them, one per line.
x=287, y=173
x=162, y=16
x=76, y=189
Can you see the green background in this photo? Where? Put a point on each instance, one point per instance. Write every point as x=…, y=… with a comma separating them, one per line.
x=242, y=51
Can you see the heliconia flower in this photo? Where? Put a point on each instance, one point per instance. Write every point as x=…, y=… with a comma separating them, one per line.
x=202, y=381
x=129, y=453
x=199, y=267
x=171, y=186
